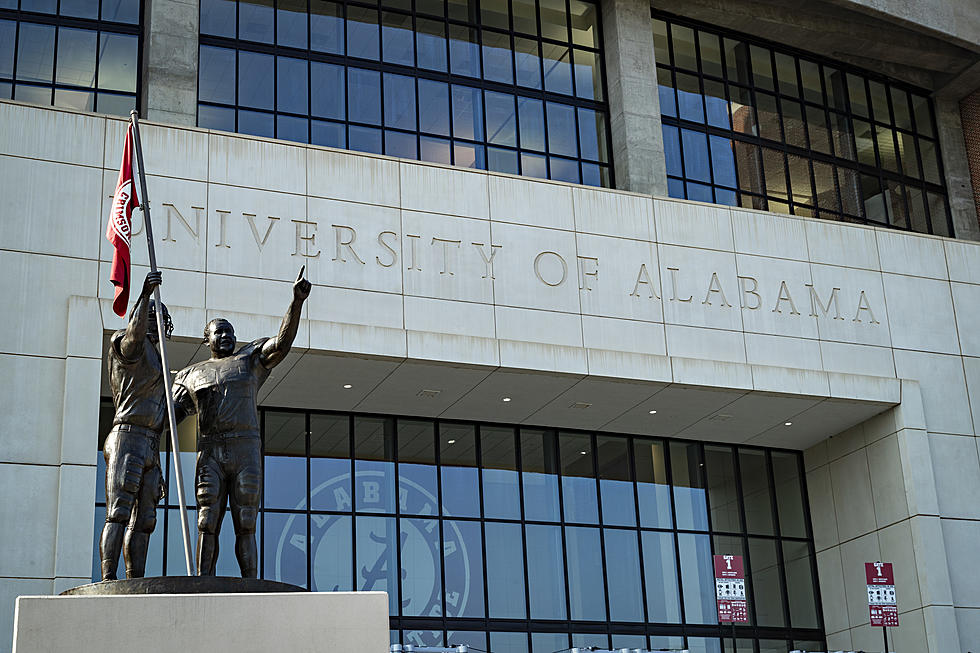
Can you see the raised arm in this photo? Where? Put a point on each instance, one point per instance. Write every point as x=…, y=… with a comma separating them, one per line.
x=275, y=349
x=131, y=344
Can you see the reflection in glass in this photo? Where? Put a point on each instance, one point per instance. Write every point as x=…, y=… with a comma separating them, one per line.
x=374, y=469
x=660, y=573
x=437, y=150
x=464, y=53
x=615, y=485
x=217, y=75
x=501, y=160
x=554, y=19
x=328, y=96
x=557, y=68
x=561, y=129
x=35, y=54
x=501, y=119
x=799, y=584
x=717, y=106
x=75, y=8
x=528, y=63
x=332, y=559
x=292, y=84
x=462, y=553
x=291, y=23
x=531, y=120
x=255, y=81
x=460, y=478
x=697, y=164
x=755, y=491
x=430, y=42
x=284, y=560
x=76, y=57
x=79, y=100
x=422, y=588
x=8, y=36
x=331, y=134
x=417, y=491
x=623, y=575
x=330, y=487
x=539, y=480
x=689, y=101
x=505, y=570
x=362, y=33
x=766, y=582
x=327, y=26
x=586, y=586
x=564, y=169
x=508, y=642
x=723, y=161
x=399, y=101
x=364, y=96
x=497, y=65
x=501, y=494
x=218, y=118
x=588, y=80
x=651, y=484
x=285, y=460
x=255, y=20
x=377, y=559
x=697, y=576
x=722, y=489
x=545, y=577
x=467, y=112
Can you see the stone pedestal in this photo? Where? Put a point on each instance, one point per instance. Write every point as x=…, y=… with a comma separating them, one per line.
x=343, y=622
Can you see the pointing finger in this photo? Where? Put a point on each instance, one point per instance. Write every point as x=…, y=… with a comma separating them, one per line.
x=301, y=271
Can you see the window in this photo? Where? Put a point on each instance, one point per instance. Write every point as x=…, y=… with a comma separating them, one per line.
x=751, y=124
x=77, y=54
x=524, y=539
x=512, y=87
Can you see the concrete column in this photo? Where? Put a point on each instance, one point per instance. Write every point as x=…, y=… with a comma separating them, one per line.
x=634, y=106
x=955, y=163
x=170, y=61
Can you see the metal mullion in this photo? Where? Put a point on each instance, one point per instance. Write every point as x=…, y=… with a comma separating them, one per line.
x=605, y=98
x=556, y=451
x=520, y=489
x=594, y=441
x=544, y=105
x=750, y=587
x=260, y=545
x=811, y=548
x=673, y=516
x=483, y=528
x=398, y=516
x=631, y=462
x=353, y=503
x=774, y=506
x=436, y=437
x=309, y=517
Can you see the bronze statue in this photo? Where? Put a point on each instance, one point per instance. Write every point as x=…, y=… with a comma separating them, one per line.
x=134, y=480
x=223, y=392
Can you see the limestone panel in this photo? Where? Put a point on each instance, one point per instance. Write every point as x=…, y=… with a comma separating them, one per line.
x=535, y=268
x=536, y=203
x=31, y=412
x=862, y=305
x=256, y=163
x=693, y=224
x=944, y=396
x=443, y=189
x=798, y=353
x=52, y=134
x=934, y=326
x=691, y=282
x=167, y=151
x=444, y=257
x=611, y=213
x=76, y=514
x=909, y=254
x=623, y=335
x=954, y=457
x=767, y=234
x=611, y=287
x=846, y=245
x=30, y=511
x=961, y=537
x=852, y=495
x=353, y=177
x=966, y=305
x=775, y=297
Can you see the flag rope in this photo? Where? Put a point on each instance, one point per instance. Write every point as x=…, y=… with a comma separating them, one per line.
x=174, y=445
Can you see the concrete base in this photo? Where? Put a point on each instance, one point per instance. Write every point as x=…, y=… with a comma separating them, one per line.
x=343, y=622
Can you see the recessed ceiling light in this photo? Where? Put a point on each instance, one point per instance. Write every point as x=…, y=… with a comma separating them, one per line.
x=788, y=424
x=583, y=452
x=505, y=399
x=653, y=412
x=451, y=442
x=347, y=386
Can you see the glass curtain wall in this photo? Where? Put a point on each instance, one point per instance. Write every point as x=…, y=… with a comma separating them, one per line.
x=752, y=124
x=77, y=54
x=525, y=540
x=514, y=86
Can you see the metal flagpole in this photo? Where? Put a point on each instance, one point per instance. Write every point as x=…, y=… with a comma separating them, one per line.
x=145, y=207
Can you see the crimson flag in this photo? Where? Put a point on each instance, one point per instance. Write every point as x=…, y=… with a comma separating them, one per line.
x=121, y=227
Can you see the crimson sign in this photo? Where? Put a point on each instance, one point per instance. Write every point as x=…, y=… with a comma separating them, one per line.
x=882, y=601
x=730, y=589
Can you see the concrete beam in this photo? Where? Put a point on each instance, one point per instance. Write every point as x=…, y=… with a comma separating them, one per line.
x=170, y=61
x=634, y=106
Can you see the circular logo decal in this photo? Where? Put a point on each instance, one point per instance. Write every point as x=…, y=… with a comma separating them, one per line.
x=422, y=577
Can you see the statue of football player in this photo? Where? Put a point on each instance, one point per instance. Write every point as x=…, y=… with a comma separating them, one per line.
x=223, y=392
x=134, y=480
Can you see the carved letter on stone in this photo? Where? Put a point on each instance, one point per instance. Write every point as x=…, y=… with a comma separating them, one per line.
x=715, y=286
x=260, y=242
x=673, y=287
x=643, y=278
x=391, y=250
x=221, y=228
x=339, y=232
x=304, y=242
x=537, y=268
x=487, y=261
x=445, y=253
x=584, y=273
x=832, y=301
x=746, y=291
x=784, y=296
x=413, y=264
x=864, y=305
x=194, y=231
